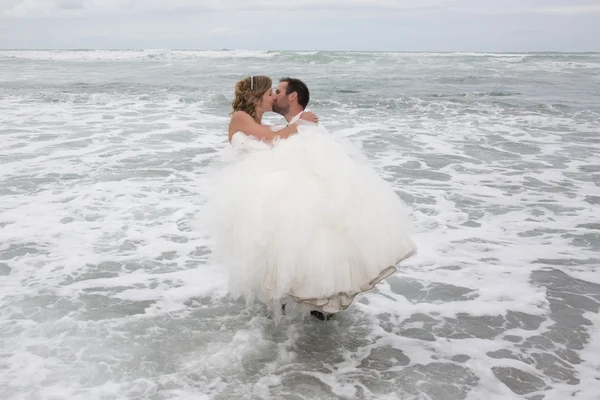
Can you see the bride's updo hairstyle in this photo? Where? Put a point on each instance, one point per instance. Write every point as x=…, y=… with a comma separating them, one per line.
x=249, y=92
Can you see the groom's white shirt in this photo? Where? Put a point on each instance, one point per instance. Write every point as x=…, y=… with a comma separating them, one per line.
x=296, y=118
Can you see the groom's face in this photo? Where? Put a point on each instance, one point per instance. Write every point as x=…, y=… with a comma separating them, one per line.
x=281, y=105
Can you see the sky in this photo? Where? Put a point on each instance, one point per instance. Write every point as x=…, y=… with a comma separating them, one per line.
x=361, y=25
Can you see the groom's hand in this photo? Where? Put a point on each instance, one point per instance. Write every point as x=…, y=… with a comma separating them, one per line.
x=310, y=116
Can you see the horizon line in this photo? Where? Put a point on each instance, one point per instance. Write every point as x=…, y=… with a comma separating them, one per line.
x=296, y=51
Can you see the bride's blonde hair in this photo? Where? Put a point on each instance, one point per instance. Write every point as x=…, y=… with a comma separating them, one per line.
x=249, y=92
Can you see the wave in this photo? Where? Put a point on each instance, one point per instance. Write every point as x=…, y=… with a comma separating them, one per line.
x=305, y=56
x=131, y=55
x=478, y=94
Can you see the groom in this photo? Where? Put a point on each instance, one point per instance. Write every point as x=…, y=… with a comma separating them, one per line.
x=291, y=99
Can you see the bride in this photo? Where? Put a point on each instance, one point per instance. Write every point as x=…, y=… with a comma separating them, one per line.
x=300, y=218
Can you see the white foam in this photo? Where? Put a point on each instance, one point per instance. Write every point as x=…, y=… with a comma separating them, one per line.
x=106, y=285
x=131, y=55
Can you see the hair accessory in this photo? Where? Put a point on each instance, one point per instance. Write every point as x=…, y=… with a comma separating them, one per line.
x=251, y=83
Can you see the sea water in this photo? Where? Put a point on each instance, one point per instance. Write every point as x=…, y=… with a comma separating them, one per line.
x=108, y=291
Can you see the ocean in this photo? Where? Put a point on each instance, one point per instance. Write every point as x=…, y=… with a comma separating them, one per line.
x=108, y=291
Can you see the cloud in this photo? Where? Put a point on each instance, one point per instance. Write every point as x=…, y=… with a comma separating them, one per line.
x=568, y=10
x=220, y=31
x=37, y=8
x=48, y=8
x=407, y=25
x=549, y=7
x=69, y=5
x=44, y=7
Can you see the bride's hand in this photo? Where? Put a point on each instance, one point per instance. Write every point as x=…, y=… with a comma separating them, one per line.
x=310, y=116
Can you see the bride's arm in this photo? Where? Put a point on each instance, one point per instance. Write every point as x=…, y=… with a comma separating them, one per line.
x=310, y=117
x=240, y=121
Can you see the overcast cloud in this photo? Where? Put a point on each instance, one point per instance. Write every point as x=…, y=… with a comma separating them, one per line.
x=409, y=25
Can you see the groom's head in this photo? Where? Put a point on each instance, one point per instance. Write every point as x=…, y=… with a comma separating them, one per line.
x=290, y=94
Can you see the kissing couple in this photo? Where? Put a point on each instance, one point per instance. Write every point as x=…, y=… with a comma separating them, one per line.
x=299, y=217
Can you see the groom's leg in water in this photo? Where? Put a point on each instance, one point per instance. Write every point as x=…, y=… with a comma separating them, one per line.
x=314, y=313
x=321, y=316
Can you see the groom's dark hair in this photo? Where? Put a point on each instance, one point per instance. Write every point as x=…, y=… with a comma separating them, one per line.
x=296, y=85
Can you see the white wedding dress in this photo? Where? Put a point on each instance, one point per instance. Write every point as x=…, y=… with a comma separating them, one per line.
x=305, y=221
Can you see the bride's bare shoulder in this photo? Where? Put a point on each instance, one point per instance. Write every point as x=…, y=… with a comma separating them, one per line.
x=238, y=119
x=240, y=116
